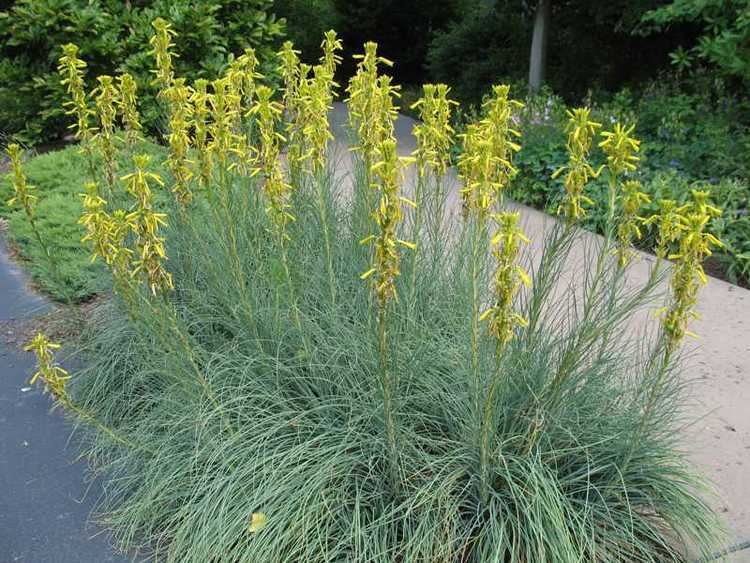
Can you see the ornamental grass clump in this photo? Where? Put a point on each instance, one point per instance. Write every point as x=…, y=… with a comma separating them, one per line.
x=265, y=385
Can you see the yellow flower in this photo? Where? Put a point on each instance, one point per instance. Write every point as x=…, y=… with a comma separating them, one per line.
x=150, y=252
x=181, y=112
x=629, y=227
x=53, y=376
x=129, y=107
x=200, y=100
x=486, y=163
x=670, y=223
x=267, y=113
x=695, y=245
x=71, y=68
x=621, y=149
x=289, y=69
x=387, y=171
x=509, y=276
x=331, y=47
x=224, y=117
x=370, y=101
x=161, y=43
x=581, y=131
x=105, y=99
x=258, y=521
x=23, y=192
x=434, y=133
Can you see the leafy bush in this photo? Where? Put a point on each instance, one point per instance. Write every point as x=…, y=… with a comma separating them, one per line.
x=113, y=37
x=725, y=32
x=291, y=369
x=306, y=22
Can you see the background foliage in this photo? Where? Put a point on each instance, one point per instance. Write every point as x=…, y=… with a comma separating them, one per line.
x=113, y=36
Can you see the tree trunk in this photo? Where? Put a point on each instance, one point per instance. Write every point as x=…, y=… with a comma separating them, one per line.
x=539, y=40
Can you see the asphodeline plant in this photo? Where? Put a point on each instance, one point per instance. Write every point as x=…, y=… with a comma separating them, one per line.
x=105, y=99
x=630, y=222
x=498, y=130
x=289, y=69
x=331, y=46
x=695, y=244
x=128, y=106
x=267, y=113
x=55, y=378
x=365, y=105
x=383, y=271
x=71, y=70
x=106, y=235
x=669, y=224
x=581, y=132
x=180, y=115
x=223, y=119
x=433, y=132
x=622, y=157
x=161, y=49
x=24, y=198
x=434, y=135
x=503, y=320
x=150, y=254
x=48, y=371
x=201, y=101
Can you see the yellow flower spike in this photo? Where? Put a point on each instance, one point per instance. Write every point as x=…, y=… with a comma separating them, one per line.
x=477, y=166
x=181, y=112
x=434, y=133
x=387, y=172
x=278, y=194
x=105, y=99
x=289, y=69
x=23, y=192
x=498, y=131
x=137, y=183
x=96, y=222
x=701, y=203
x=53, y=376
x=245, y=154
x=370, y=115
x=71, y=69
x=695, y=245
x=242, y=75
x=146, y=223
x=268, y=113
x=128, y=103
x=201, y=109
x=311, y=129
x=629, y=228
x=224, y=117
x=509, y=276
x=331, y=46
x=621, y=149
x=581, y=132
x=161, y=45
x=670, y=223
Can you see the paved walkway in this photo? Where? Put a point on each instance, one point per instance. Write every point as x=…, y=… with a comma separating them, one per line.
x=45, y=503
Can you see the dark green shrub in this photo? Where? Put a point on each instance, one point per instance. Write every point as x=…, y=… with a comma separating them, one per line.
x=306, y=22
x=113, y=37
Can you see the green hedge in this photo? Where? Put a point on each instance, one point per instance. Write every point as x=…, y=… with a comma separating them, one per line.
x=113, y=36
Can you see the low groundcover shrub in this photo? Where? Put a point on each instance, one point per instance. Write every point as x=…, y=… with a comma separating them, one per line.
x=299, y=364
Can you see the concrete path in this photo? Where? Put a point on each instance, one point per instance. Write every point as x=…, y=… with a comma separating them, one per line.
x=717, y=368
x=45, y=502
